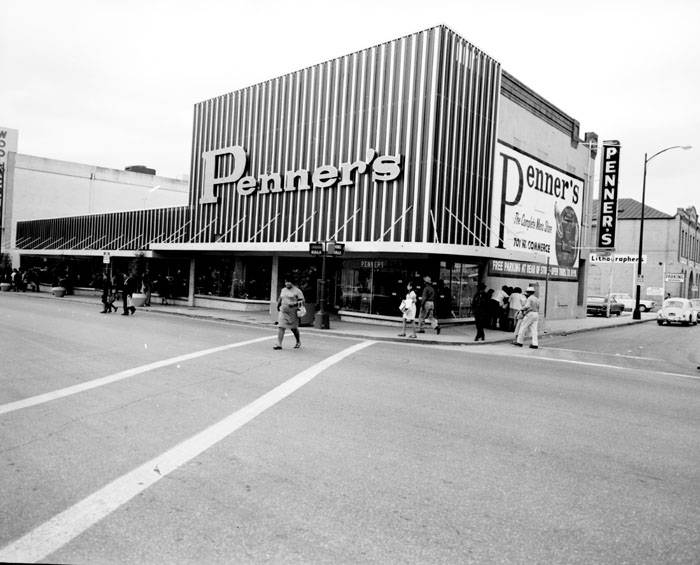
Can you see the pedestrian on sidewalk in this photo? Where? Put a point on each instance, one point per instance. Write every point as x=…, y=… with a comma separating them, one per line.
x=106, y=286
x=531, y=314
x=427, y=307
x=516, y=302
x=501, y=308
x=128, y=295
x=481, y=310
x=147, y=287
x=408, y=310
x=163, y=287
x=290, y=301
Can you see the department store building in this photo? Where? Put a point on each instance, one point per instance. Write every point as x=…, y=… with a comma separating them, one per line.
x=421, y=155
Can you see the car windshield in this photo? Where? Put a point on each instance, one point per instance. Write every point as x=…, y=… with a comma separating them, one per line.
x=674, y=304
x=597, y=299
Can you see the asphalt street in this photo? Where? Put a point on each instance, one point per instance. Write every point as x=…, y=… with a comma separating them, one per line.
x=162, y=439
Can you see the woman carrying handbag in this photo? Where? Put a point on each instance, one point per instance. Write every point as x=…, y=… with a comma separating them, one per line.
x=408, y=309
x=289, y=305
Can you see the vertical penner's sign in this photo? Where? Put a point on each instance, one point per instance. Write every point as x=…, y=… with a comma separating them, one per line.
x=609, y=180
x=537, y=208
x=8, y=143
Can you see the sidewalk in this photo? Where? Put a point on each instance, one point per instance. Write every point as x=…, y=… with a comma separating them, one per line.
x=450, y=335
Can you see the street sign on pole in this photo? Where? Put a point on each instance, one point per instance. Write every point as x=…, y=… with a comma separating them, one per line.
x=338, y=248
x=105, y=258
x=675, y=277
x=316, y=248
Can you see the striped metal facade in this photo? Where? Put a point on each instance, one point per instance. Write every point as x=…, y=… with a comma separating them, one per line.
x=118, y=231
x=431, y=97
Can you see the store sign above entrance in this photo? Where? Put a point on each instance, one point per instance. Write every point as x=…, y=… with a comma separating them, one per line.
x=229, y=165
x=536, y=207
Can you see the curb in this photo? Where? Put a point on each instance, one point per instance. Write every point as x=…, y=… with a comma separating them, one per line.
x=271, y=325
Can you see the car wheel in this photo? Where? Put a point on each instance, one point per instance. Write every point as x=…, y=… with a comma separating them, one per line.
x=618, y=313
x=660, y=322
x=642, y=308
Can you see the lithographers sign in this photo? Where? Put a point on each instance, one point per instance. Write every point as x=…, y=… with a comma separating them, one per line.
x=537, y=207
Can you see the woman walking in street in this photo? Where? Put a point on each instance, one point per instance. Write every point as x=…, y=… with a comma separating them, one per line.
x=291, y=299
x=408, y=307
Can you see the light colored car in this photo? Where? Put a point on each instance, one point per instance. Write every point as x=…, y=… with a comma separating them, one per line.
x=628, y=301
x=677, y=311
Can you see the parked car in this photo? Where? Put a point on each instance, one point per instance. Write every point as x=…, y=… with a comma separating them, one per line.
x=598, y=306
x=628, y=302
x=677, y=311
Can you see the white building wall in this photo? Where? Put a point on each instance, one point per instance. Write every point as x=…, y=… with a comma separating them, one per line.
x=48, y=188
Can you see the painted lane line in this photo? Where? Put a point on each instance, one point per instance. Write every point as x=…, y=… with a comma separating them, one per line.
x=615, y=355
x=82, y=387
x=62, y=528
x=501, y=352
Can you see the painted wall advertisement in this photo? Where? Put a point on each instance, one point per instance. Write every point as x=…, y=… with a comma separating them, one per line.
x=536, y=207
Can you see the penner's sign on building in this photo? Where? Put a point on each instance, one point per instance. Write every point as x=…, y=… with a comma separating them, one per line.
x=382, y=168
x=609, y=180
x=536, y=207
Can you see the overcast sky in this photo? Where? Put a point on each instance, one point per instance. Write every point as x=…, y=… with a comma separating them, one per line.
x=112, y=83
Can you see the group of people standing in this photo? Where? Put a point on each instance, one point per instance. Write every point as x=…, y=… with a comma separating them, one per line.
x=409, y=308
x=21, y=280
x=509, y=310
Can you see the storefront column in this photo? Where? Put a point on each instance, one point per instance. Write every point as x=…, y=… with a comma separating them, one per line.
x=190, y=293
x=273, y=285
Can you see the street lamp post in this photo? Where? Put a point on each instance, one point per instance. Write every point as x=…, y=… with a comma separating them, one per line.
x=636, y=315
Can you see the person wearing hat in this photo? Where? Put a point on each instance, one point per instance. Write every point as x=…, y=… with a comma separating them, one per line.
x=531, y=314
x=427, y=307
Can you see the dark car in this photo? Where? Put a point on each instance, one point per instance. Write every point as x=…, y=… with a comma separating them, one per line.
x=598, y=306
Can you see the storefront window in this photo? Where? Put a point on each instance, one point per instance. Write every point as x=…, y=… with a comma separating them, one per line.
x=233, y=277
x=305, y=273
x=377, y=286
x=457, y=285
